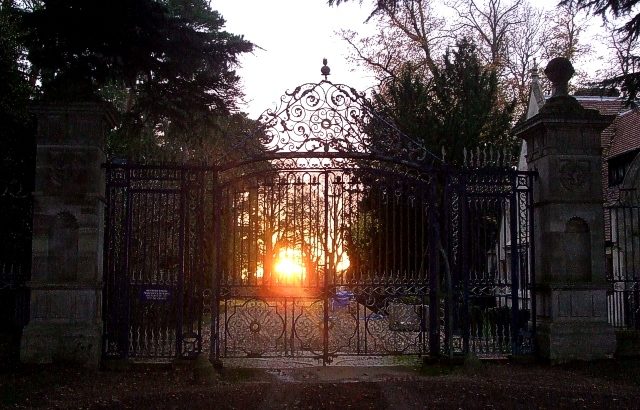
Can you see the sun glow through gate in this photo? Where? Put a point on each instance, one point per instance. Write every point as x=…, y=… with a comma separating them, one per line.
x=289, y=266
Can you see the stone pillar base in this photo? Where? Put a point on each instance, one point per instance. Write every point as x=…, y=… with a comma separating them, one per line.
x=572, y=323
x=575, y=340
x=79, y=343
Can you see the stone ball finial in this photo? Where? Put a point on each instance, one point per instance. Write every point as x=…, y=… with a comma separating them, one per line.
x=325, y=70
x=559, y=71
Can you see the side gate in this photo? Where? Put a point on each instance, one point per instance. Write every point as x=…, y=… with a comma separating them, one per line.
x=155, y=260
x=622, y=223
x=490, y=250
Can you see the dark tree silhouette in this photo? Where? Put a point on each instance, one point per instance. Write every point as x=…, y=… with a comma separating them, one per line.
x=628, y=82
x=18, y=148
x=167, y=66
x=456, y=109
x=164, y=64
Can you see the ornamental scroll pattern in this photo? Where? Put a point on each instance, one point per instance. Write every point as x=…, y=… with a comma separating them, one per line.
x=333, y=118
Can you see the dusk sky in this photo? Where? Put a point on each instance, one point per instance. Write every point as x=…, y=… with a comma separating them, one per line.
x=293, y=36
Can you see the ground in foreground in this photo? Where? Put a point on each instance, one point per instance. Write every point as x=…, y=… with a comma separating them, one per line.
x=477, y=385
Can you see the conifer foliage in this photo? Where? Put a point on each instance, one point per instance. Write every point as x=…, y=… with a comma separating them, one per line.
x=455, y=108
x=162, y=62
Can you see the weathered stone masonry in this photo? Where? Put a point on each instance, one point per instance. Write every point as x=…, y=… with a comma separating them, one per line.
x=66, y=281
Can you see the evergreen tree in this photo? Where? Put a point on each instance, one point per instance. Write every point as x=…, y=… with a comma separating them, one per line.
x=17, y=157
x=456, y=108
x=167, y=65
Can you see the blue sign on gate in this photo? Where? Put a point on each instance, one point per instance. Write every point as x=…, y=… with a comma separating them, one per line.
x=155, y=294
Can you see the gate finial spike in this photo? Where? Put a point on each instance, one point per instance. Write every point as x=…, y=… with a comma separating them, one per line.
x=464, y=156
x=325, y=70
x=444, y=154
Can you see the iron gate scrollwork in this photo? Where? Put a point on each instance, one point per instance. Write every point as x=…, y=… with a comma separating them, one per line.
x=156, y=260
x=333, y=234
x=324, y=247
x=323, y=262
x=489, y=225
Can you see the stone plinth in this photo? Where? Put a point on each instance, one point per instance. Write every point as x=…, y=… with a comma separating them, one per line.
x=563, y=146
x=66, y=280
x=572, y=322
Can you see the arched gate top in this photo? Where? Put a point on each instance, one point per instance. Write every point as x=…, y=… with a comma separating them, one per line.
x=327, y=119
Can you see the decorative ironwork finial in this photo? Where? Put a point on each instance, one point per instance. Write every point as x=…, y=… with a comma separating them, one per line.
x=325, y=70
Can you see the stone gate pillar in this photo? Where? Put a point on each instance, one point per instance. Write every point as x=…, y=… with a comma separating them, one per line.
x=563, y=146
x=66, y=281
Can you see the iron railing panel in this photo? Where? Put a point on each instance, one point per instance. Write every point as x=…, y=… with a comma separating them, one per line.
x=623, y=264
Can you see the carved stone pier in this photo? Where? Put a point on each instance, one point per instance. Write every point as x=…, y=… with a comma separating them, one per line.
x=66, y=282
x=563, y=146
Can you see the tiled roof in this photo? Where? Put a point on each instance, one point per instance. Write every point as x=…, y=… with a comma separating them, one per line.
x=627, y=133
x=624, y=133
x=621, y=136
x=606, y=105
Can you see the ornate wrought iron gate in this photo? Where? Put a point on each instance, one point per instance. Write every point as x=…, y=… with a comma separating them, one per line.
x=490, y=255
x=155, y=260
x=324, y=262
x=15, y=260
x=336, y=236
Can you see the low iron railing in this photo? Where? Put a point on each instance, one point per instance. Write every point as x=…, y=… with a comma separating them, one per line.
x=622, y=223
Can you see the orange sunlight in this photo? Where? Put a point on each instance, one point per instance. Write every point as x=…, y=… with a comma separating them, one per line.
x=343, y=264
x=289, y=266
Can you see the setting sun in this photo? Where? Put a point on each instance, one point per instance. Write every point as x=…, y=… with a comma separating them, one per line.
x=289, y=265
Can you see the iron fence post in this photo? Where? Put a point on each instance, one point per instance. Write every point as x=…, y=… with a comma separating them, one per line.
x=433, y=272
x=513, y=223
x=216, y=274
x=463, y=273
x=125, y=291
x=532, y=263
x=325, y=348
